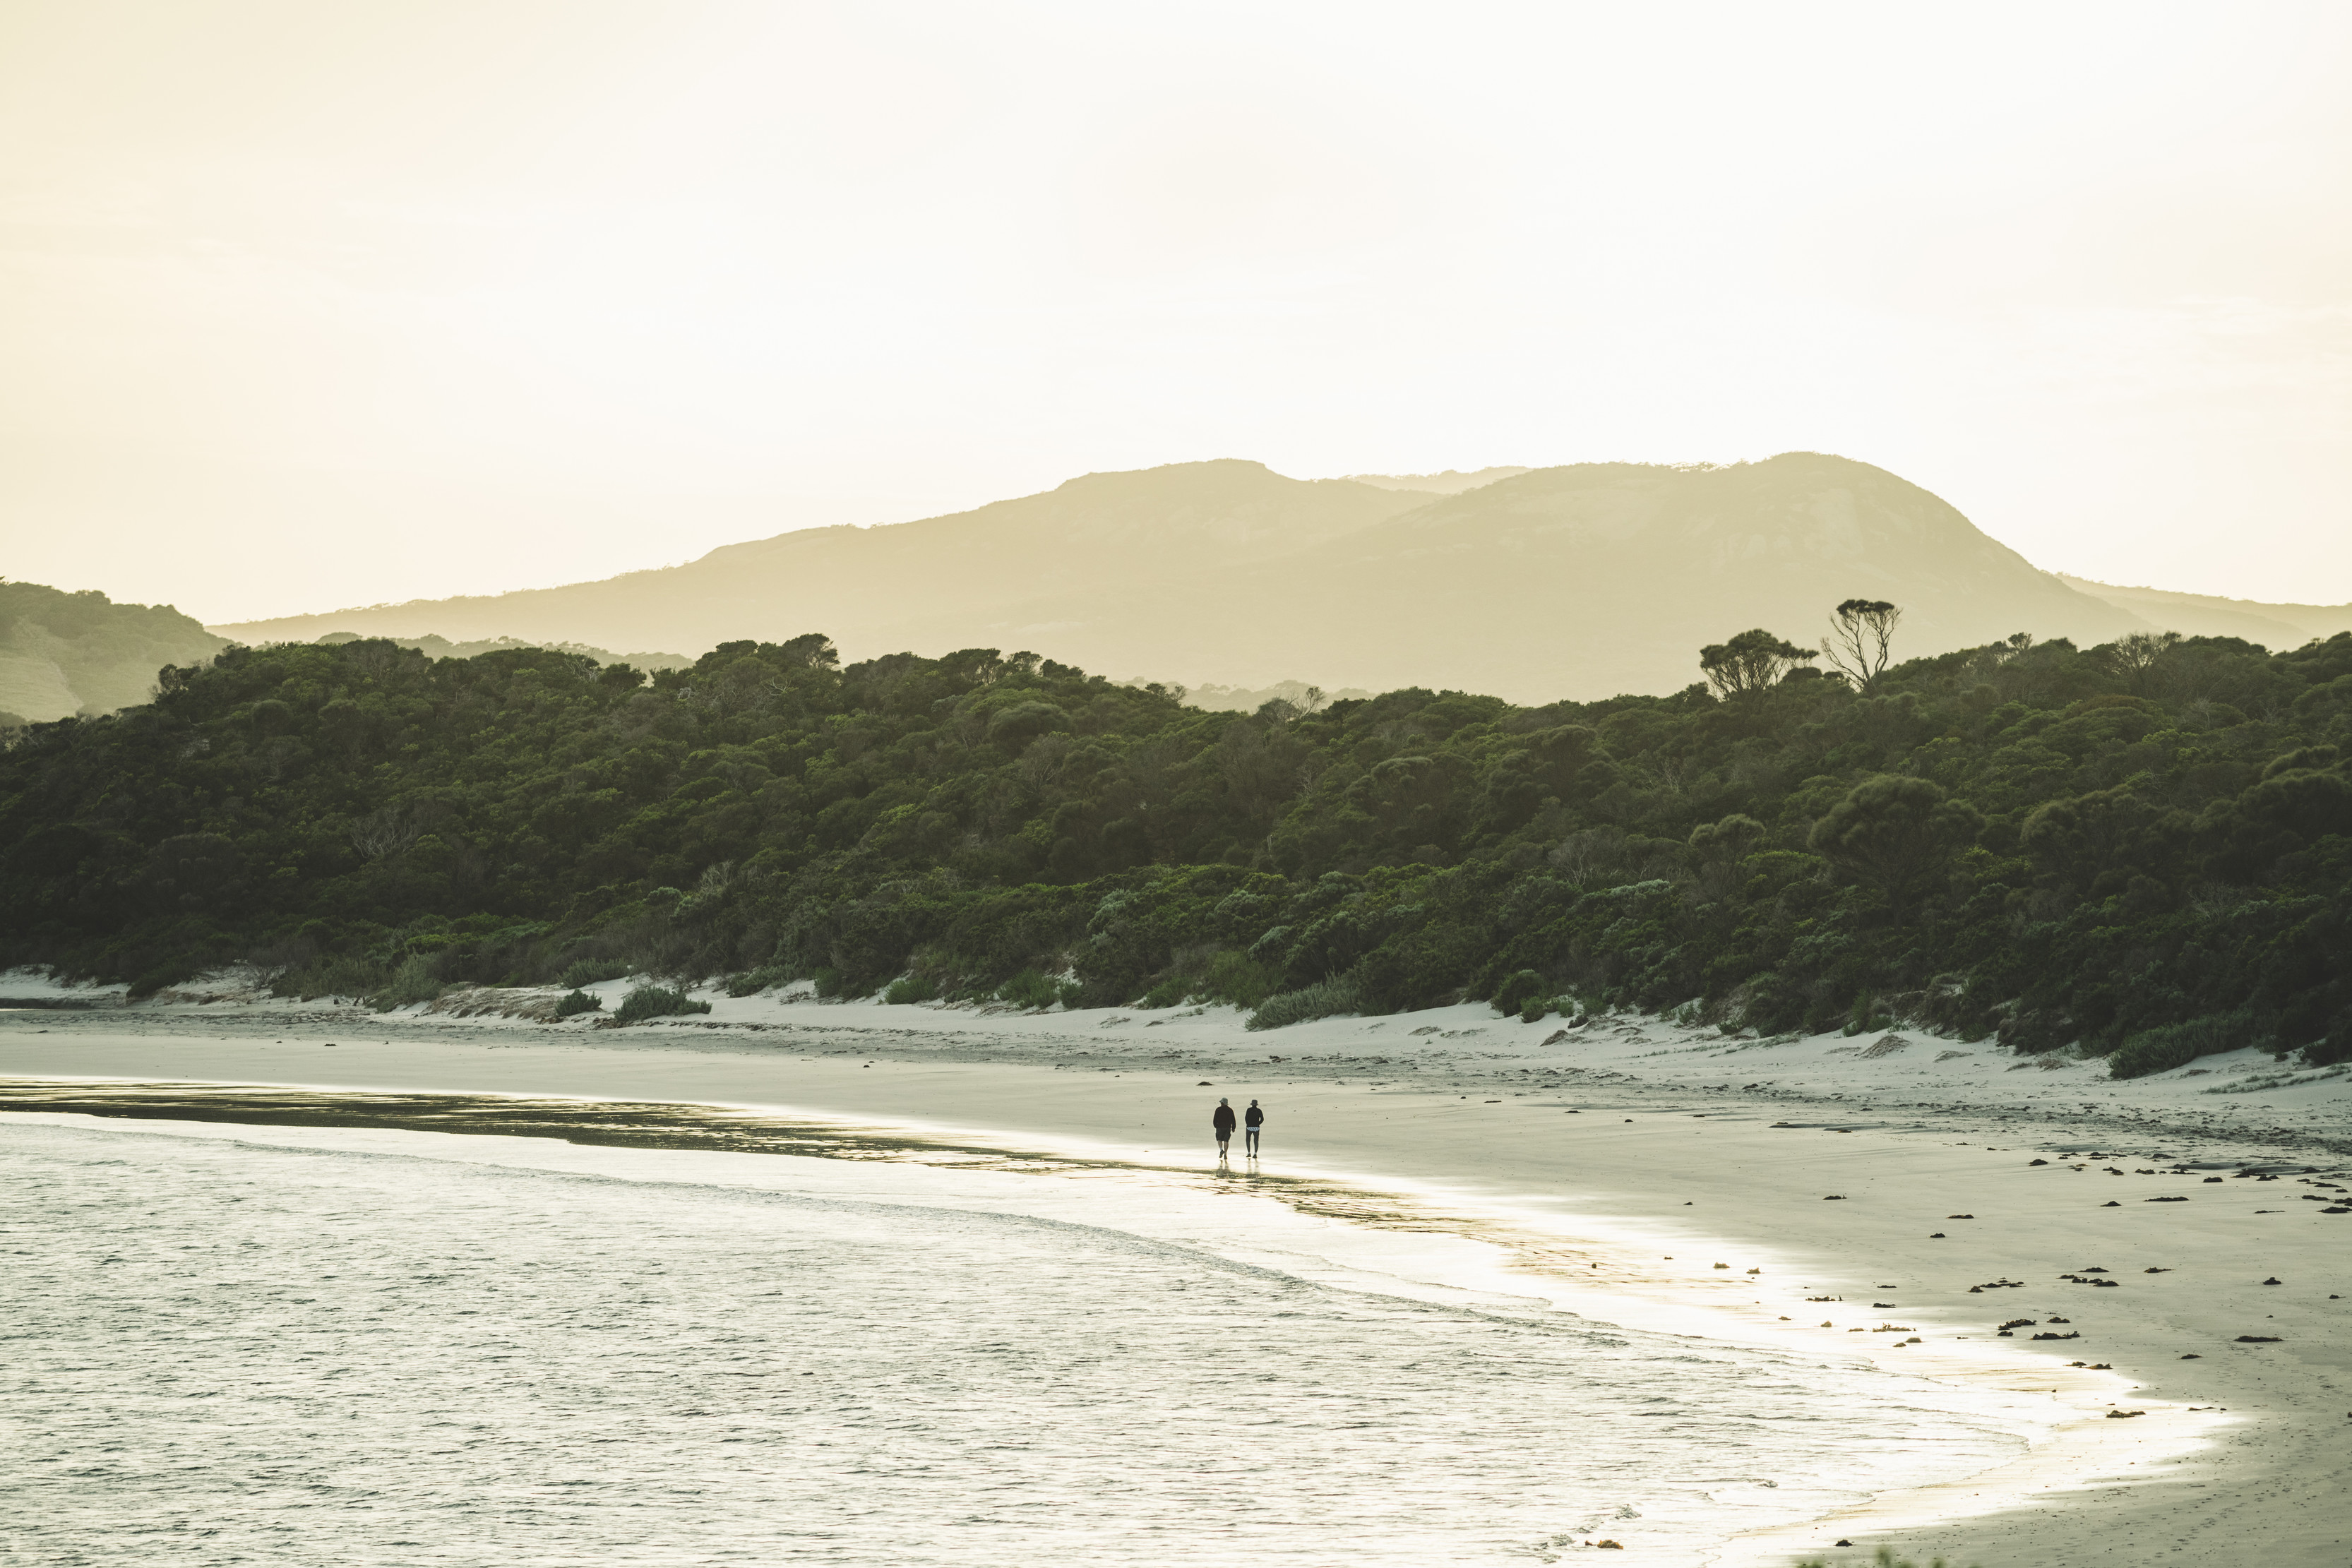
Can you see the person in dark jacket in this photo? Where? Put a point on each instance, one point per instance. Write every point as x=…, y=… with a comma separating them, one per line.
x=1222, y=1121
x=1252, y=1120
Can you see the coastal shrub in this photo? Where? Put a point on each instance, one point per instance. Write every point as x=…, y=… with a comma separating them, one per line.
x=338, y=974
x=655, y=1002
x=1072, y=992
x=1325, y=998
x=1894, y=832
x=910, y=989
x=579, y=1002
x=1167, y=993
x=828, y=982
x=1273, y=946
x=1517, y=991
x=414, y=981
x=162, y=975
x=2169, y=1046
x=1869, y=1015
x=1029, y=989
x=592, y=971
x=1238, y=978
x=751, y=982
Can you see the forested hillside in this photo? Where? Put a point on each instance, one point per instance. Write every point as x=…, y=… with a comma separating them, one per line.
x=2146, y=845
x=442, y=648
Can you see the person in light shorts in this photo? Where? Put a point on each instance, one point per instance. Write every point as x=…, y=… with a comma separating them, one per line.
x=1252, y=1120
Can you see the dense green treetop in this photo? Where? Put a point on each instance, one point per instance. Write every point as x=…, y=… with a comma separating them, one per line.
x=2056, y=842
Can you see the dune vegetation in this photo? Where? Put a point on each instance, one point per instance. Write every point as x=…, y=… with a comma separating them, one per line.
x=2142, y=849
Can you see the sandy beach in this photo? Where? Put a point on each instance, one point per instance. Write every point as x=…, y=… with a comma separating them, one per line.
x=1898, y=1197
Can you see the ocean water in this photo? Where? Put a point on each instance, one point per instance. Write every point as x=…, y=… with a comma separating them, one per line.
x=371, y=1345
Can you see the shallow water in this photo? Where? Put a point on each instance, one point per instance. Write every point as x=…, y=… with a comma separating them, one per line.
x=336, y=1343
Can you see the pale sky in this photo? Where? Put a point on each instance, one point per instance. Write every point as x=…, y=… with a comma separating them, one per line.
x=305, y=306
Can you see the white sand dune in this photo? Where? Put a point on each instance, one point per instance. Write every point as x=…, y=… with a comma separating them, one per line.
x=1908, y=1182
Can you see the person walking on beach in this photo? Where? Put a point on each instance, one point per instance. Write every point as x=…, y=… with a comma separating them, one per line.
x=1252, y=1120
x=1222, y=1121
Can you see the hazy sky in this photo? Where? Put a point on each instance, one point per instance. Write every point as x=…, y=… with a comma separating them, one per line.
x=305, y=306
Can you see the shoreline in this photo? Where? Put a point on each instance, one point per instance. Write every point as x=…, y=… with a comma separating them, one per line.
x=1387, y=1250
x=1605, y=1189
x=2221, y=1101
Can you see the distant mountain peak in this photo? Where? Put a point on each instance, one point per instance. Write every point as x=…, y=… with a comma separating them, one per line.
x=1243, y=468
x=1582, y=580
x=1452, y=482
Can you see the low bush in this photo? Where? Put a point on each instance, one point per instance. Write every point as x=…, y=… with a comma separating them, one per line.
x=1325, y=998
x=337, y=976
x=590, y=971
x=412, y=982
x=1238, y=978
x=910, y=989
x=752, y=982
x=829, y=982
x=156, y=978
x=1167, y=993
x=655, y=1002
x=579, y=1002
x=2175, y=1045
x=1029, y=989
x=1518, y=990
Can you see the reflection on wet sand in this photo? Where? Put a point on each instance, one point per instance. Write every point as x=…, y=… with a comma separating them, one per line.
x=656, y=1124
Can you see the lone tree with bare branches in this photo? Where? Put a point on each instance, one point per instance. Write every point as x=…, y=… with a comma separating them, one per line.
x=1862, y=630
x=1749, y=661
x=386, y=831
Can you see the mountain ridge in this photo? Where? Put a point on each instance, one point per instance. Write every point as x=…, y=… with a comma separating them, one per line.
x=63, y=653
x=1581, y=579
x=2275, y=626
